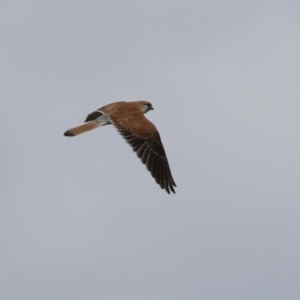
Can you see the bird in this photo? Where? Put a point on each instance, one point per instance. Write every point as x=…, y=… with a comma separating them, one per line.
x=141, y=134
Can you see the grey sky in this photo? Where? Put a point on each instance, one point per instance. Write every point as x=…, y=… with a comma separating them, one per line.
x=81, y=218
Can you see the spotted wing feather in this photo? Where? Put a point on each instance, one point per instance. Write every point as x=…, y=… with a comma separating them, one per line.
x=151, y=152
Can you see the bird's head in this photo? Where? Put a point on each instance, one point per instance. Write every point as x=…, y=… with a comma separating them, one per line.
x=145, y=106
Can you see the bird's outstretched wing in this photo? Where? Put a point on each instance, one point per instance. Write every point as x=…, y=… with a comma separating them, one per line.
x=145, y=140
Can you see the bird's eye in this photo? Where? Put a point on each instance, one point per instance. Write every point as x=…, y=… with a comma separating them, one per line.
x=149, y=106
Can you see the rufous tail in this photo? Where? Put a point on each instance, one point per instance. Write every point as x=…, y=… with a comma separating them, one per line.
x=82, y=128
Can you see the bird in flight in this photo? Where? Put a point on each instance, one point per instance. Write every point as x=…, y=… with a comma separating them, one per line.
x=142, y=135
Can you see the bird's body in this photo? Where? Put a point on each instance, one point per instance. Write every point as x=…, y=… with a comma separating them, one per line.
x=139, y=132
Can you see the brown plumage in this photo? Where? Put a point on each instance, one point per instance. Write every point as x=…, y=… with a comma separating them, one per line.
x=81, y=129
x=138, y=131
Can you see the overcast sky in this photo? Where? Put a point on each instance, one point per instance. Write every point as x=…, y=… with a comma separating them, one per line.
x=82, y=219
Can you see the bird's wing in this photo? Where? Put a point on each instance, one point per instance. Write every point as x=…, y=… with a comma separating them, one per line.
x=94, y=115
x=104, y=110
x=145, y=140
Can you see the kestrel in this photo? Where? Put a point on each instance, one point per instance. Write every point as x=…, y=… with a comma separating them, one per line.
x=128, y=118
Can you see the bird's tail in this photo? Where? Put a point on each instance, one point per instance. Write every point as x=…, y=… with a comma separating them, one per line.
x=82, y=128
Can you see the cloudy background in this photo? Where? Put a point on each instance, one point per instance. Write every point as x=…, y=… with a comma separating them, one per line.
x=81, y=218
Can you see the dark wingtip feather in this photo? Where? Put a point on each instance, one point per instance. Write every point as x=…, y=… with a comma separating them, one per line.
x=151, y=153
x=93, y=116
x=172, y=188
